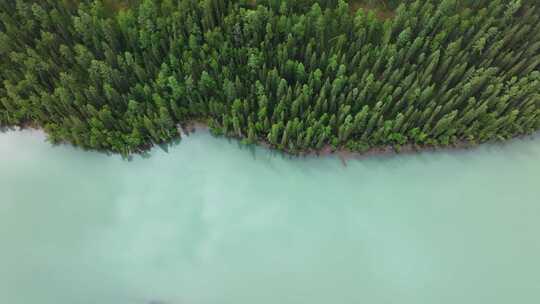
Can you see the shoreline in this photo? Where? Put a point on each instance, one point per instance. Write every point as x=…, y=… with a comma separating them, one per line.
x=345, y=154
x=342, y=153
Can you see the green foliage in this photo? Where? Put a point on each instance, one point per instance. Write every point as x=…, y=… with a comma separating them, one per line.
x=298, y=75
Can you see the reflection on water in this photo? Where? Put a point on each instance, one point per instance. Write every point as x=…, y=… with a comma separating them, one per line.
x=208, y=222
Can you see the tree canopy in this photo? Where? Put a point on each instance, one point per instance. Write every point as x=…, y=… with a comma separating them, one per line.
x=298, y=75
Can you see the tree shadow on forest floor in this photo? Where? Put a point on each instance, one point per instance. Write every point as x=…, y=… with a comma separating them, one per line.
x=380, y=8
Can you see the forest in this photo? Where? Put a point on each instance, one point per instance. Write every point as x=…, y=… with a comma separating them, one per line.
x=297, y=76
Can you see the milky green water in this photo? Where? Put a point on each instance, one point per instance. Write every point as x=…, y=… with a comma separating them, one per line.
x=210, y=222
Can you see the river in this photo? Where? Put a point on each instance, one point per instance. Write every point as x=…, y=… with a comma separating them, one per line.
x=210, y=221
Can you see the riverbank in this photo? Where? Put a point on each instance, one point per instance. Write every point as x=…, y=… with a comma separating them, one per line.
x=342, y=153
x=345, y=154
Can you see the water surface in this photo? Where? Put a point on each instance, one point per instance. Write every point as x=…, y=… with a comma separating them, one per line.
x=211, y=222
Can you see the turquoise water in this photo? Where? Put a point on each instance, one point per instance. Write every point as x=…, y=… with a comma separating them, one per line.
x=211, y=222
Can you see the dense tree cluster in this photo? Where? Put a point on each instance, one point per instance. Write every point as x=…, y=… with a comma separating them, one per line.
x=298, y=75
